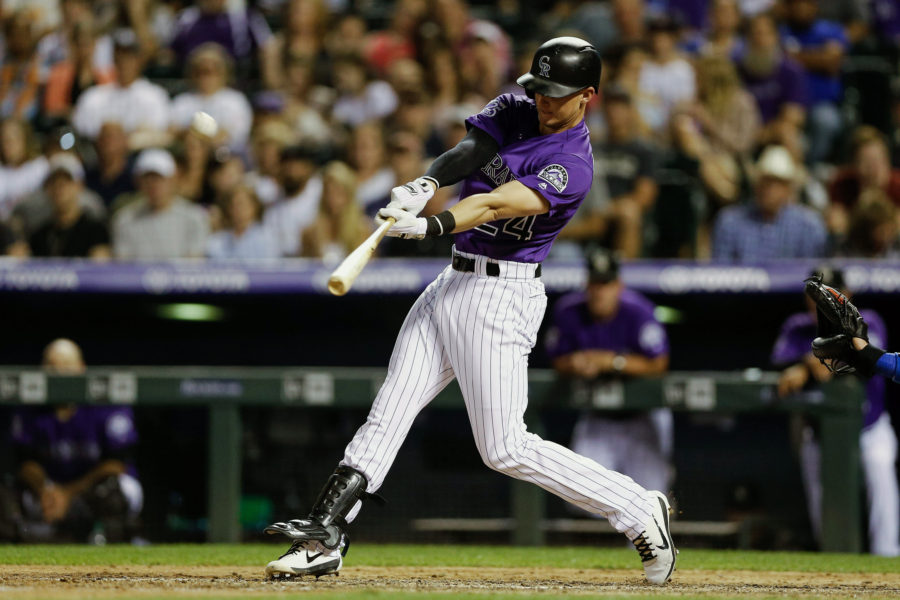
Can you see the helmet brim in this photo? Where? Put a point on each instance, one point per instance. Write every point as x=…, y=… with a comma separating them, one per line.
x=545, y=87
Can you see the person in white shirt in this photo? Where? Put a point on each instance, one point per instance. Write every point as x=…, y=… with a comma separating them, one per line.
x=209, y=68
x=159, y=225
x=140, y=106
x=244, y=237
x=360, y=99
x=666, y=74
x=21, y=173
x=302, y=190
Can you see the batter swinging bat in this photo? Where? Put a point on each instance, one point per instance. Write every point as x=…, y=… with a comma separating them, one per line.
x=343, y=277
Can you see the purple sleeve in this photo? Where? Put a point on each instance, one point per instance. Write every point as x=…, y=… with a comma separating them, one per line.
x=119, y=431
x=877, y=329
x=652, y=339
x=495, y=117
x=20, y=431
x=795, y=84
x=560, y=339
x=562, y=179
x=788, y=347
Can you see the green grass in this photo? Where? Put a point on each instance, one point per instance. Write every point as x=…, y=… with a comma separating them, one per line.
x=249, y=555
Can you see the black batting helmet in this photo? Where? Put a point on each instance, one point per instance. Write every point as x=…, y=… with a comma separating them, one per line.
x=562, y=66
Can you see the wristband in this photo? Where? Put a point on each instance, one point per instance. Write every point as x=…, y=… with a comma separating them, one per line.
x=865, y=359
x=442, y=224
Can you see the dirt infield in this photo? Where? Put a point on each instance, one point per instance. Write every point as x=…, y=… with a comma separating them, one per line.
x=72, y=583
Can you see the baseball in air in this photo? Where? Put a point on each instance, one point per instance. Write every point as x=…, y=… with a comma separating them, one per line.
x=204, y=124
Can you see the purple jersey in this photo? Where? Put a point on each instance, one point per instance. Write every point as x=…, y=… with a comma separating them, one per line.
x=632, y=330
x=558, y=166
x=69, y=449
x=794, y=342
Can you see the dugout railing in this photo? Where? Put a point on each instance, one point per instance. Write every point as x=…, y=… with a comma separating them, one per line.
x=837, y=408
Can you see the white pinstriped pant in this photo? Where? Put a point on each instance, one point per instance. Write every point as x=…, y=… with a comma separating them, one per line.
x=481, y=329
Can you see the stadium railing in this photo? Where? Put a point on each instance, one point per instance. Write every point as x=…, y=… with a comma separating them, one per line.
x=836, y=407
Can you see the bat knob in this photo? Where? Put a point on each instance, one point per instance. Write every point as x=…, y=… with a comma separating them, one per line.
x=337, y=286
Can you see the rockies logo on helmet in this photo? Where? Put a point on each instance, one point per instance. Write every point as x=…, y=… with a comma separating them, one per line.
x=544, y=64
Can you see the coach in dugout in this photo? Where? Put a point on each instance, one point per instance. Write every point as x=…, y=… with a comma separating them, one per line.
x=74, y=468
x=608, y=333
x=877, y=441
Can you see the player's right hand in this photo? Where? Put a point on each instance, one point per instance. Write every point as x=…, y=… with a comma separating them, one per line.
x=413, y=196
x=406, y=226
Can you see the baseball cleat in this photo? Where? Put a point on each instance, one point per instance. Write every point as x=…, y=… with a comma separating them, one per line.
x=655, y=543
x=305, y=558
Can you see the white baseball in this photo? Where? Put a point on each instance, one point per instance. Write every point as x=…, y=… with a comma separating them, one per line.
x=204, y=124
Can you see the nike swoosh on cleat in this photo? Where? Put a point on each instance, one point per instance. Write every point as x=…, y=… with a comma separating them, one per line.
x=665, y=545
x=318, y=554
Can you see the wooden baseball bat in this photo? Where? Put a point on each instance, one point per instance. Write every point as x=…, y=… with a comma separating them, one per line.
x=346, y=273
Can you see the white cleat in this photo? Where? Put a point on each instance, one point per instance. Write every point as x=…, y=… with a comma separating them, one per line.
x=655, y=543
x=305, y=558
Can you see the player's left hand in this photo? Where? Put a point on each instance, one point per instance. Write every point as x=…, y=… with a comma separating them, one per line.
x=407, y=226
x=413, y=196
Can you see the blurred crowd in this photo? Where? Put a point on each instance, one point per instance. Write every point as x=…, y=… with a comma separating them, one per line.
x=737, y=130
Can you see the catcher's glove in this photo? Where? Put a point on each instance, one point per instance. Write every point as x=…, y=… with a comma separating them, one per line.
x=839, y=322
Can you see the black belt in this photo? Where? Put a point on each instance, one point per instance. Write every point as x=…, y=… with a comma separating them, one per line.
x=492, y=269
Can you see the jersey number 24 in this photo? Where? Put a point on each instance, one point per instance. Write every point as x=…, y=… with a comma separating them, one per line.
x=517, y=227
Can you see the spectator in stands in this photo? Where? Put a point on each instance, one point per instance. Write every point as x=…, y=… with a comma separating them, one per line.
x=224, y=173
x=11, y=243
x=141, y=107
x=301, y=192
x=75, y=467
x=818, y=46
x=242, y=33
x=464, y=32
x=305, y=102
x=71, y=232
x=773, y=226
x=443, y=78
x=112, y=175
x=70, y=77
x=871, y=170
x=55, y=45
x=367, y=152
x=877, y=440
x=269, y=139
x=158, y=224
x=340, y=225
x=725, y=123
x=398, y=41
x=302, y=38
x=605, y=334
x=630, y=21
x=360, y=98
x=722, y=37
x=852, y=15
x=886, y=21
x=20, y=76
x=627, y=64
x=625, y=169
x=872, y=228
x=244, y=237
x=23, y=169
x=209, y=71
x=666, y=74
x=777, y=83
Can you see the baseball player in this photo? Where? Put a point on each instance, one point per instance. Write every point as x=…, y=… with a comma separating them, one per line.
x=877, y=441
x=526, y=165
x=608, y=333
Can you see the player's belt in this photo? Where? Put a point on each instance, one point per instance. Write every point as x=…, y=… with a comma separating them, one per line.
x=492, y=269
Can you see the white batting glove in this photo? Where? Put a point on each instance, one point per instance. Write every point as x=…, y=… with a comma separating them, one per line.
x=413, y=196
x=408, y=227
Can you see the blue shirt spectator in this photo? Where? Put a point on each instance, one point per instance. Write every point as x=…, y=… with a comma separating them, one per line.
x=824, y=84
x=770, y=227
x=239, y=32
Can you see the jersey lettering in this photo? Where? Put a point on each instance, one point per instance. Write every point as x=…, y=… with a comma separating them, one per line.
x=517, y=227
x=493, y=107
x=498, y=172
